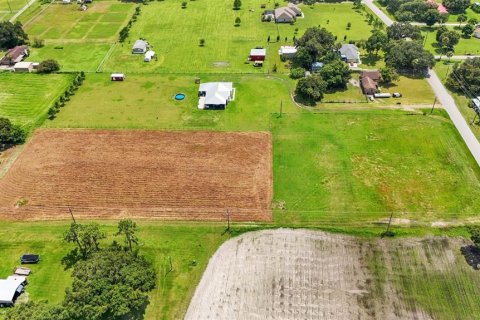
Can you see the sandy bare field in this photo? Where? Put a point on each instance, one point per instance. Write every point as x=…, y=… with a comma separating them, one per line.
x=143, y=174
x=292, y=274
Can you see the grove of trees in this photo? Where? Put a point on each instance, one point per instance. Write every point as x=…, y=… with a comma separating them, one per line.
x=466, y=74
x=414, y=10
x=409, y=57
x=10, y=134
x=11, y=35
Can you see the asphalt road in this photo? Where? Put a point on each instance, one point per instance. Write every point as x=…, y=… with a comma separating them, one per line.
x=442, y=95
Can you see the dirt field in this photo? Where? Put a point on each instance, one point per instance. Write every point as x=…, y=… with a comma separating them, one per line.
x=294, y=274
x=144, y=174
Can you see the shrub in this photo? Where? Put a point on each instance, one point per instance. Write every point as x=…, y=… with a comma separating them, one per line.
x=48, y=66
x=297, y=73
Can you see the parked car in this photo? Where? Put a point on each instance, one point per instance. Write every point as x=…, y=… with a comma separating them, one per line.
x=29, y=258
x=396, y=94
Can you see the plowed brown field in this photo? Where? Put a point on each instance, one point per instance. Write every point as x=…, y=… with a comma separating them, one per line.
x=142, y=174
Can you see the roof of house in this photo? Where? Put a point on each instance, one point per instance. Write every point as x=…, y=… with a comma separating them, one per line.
x=476, y=101
x=350, y=51
x=284, y=12
x=287, y=50
x=258, y=52
x=294, y=8
x=369, y=83
x=9, y=286
x=216, y=92
x=372, y=74
x=140, y=44
x=23, y=65
x=442, y=9
x=15, y=53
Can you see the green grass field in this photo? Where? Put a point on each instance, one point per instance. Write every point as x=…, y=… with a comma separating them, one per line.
x=25, y=98
x=465, y=46
x=169, y=300
x=226, y=47
x=355, y=168
x=9, y=7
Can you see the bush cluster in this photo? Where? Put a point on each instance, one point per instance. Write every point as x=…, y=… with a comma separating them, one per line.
x=70, y=91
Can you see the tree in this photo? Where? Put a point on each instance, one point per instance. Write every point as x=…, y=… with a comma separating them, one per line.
x=456, y=6
x=376, y=42
x=127, y=228
x=86, y=237
x=237, y=4
x=349, y=25
x=311, y=88
x=184, y=5
x=201, y=42
x=402, y=30
x=389, y=75
x=467, y=30
x=297, y=73
x=440, y=31
x=409, y=56
x=447, y=39
x=449, y=55
x=123, y=35
x=461, y=18
x=10, y=134
x=466, y=74
x=316, y=44
x=38, y=43
x=431, y=16
x=111, y=284
x=237, y=21
x=11, y=34
x=336, y=75
x=34, y=311
x=48, y=66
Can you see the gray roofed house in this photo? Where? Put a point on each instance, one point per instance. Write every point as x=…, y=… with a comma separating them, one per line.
x=350, y=53
x=215, y=95
x=140, y=47
x=284, y=14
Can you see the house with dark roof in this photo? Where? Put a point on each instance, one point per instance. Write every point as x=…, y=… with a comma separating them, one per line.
x=369, y=81
x=14, y=55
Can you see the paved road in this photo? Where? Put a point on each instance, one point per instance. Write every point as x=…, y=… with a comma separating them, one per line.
x=457, y=118
x=378, y=12
x=25, y=7
x=443, y=96
x=457, y=57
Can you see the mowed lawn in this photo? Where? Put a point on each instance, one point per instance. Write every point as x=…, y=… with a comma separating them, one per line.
x=464, y=46
x=9, y=7
x=78, y=40
x=183, y=243
x=347, y=169
x=25, y=98
x=146, y=101
x=174, y=34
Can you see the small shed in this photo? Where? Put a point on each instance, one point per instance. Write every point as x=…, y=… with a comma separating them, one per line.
x=287, y=51
x=140, y=47
x=117, y=77
x=23, y=66
x=149, y=56
x=257, y=54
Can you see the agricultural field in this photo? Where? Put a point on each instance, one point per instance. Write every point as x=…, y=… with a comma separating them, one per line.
x=355, y=168
x=78, y=40
x=288, y=274
x=25, y=98
x=9, y=7
x=173, y=176
x=146, y=102
x=177, y=46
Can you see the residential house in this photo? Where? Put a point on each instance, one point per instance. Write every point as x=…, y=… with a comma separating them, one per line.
x=287, y=52
x=476, y=33
x=140, y=47
x=257, y=54
x=215, y=95
x=369, y=81
x=23, y=66
x=14, y=55
x=440, y=7
x=287, y=14
x=350, y=53
x=294, y=8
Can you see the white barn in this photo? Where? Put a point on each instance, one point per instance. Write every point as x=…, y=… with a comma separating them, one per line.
x=215, y=95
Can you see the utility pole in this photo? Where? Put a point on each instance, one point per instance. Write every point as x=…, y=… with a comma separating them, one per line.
x=228, y=221
x=433, y=107
x=389, y=223
x=71, y=213
x=281, y=108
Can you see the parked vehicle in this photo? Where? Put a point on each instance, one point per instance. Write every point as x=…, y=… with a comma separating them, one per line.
x=396, y=94
x=29, y=258
x=382, y=95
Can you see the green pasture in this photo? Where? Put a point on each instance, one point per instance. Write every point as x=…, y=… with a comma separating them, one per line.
x=174, y=34
x=25, y=98
x=355, y=168
x=146, y=101
x=59, y=22
x=9, y=7
x=158, y=241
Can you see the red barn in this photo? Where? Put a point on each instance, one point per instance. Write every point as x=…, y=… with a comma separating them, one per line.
x=258, y=54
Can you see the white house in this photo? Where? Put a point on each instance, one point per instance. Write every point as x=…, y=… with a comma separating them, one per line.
x=287, y=51
x=140, y=47
x=215, y=95
x=11, y=288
